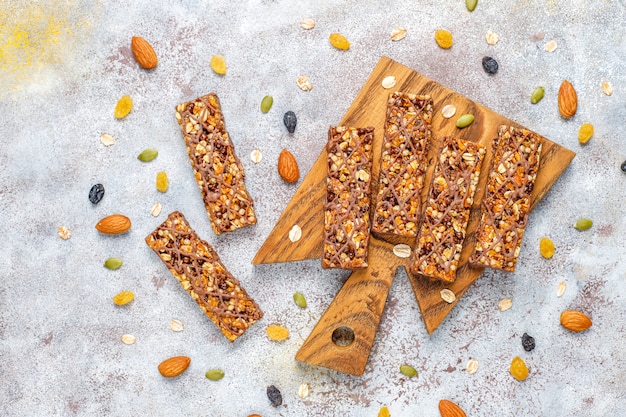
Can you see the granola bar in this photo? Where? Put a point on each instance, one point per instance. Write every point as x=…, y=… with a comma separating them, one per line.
x=506, y=205
x=200, y=272
x=217, y=169
x=450, y=200
x=347, y=207
x=403, y=164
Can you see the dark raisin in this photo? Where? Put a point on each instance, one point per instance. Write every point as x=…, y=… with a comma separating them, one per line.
x=274, y=395
x=290, y=121
x=623, y=166
x=490, y=65
x=96, y=193
x=528, y=342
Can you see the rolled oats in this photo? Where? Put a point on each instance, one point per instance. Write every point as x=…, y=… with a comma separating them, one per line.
x=64, y=232
x=128, y=339
x=307, y=24
x=550, y=46
x=303, y=83
x=107, y=140
x=448, y=111
x=560, y=289
x=402, y=251
x=303, y=390
x=447, y=296
x=295, y=233
x=256, y=156
x=505, y=304
x=472, y=366
x=398, y=33
x=156, y=209
x=491, y=37
x=176, y=325
x=607, y=88
x=389, y=82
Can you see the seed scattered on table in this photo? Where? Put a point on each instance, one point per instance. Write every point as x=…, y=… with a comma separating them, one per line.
x=491, y=37
x=402, y=250
x=176, y=325
x=583, y=224
x=585, y=132
x=256, y=156
x=156, y=209
x=389, y=82
x=443, y=38
x=214, y=374
x=123, y=107
x=505, y=304
x=490, y=65
x=128, y=339
x=560, y=289
x=106, y=139
x=607, y=88
x=546, y=248
x=148, y=155
x=295, y=233
x=448, y=111
x=299, y=299
x=528, y=342
x=550, y=46
x=398, y=34
x=408, y=370
x=447, y=295
x=274, y=395
x=339, y=41
x=303, y=83
x=464, y=120
x=307, y=24
x=96, y=193
x=266, y=103
x=471, y=4
x=303, y=390
x=537, y=95
x=64, y=232
x=277, y=333
x=472, y=366
x=113, y=263
x=218, y=64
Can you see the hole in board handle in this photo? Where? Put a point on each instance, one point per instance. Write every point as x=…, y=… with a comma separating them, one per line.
x=343, y=336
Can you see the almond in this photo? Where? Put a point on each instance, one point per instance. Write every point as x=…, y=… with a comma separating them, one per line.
x=174, y=366
x=114, y=224
x=575, y=321
x=450, y=409
x=288, y=166
x=143, y=52
x=568, y=100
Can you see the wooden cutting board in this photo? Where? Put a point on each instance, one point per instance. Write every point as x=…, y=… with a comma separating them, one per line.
x=343, y=337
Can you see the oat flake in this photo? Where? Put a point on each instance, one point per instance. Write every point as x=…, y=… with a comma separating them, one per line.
x=472, y=366
x=128, y=339
x=491, y=37
x=256, y=156
x=107, y=140
x=295, y=233
x=64, y=232
x=550, y=46
x=560, y=290
x=402, y=251
x=303, y=83
x=448, y=111
x=389, y=82
x=176, y=325
x=607, y=88
x=307, y=24
x=398, y=34
x=303, y=391
x=447, y=296
x=505, y=304
x=156, y=209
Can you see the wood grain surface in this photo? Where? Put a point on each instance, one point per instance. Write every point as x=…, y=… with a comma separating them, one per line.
x=354, y=308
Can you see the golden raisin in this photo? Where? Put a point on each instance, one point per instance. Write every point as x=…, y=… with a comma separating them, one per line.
x=339, y=41
x=123, y=298
x=161, y=181
x=218, y=64
x=546, y=248
x=443, y=38
x=518, y=369
x=123, y=107
x=384, y=412
x=585, y=133
x=278, y=333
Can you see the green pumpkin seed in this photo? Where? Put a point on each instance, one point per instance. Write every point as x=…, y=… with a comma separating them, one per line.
x=408, y=370
x=214, y=374
x=299, y=299
x=148, y=155
x=266, y=103
x=464, y=121
x=537, y=95
x=113, y=263
x=583, y=224
x=471, y=4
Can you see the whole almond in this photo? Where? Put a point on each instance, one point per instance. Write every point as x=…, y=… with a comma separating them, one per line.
x=450, y=409
x=575, y=321
x=143, y=52
x=568, y=99
x=174, y=366
x=288, y=166
x=114, y=224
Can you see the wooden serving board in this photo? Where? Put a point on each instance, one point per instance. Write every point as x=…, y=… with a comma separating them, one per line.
x=358, y=306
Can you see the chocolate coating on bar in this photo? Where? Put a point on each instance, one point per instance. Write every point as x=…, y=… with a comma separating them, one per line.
x=200, y=272
x=347, y=206
x=217, y=169
x=448, y=207
x=403, y=164
x=506, y=205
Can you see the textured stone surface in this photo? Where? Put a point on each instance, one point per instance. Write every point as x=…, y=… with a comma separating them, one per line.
x=63, y=66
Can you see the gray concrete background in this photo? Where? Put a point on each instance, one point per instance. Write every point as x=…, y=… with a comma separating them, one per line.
x=64, y=66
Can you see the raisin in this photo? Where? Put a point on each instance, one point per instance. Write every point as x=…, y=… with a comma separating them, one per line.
x=546, y=248
x=623, y=166
x=123, y=107
x=490, y=65
x=218, y=64
x=443, y=38
x=528, y=342
x=518, y=369
x=339, y=41
x=161, y=181
x=274, y=396
x=290, y=121
x=96, y=193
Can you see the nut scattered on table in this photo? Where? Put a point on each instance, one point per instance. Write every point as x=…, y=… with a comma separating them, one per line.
x=143, y=52
x=174, y=366
x=575, y=321
x=64, y=232
x=567, y=99
x=288, y=166
x=449, y=409
x=114, y=224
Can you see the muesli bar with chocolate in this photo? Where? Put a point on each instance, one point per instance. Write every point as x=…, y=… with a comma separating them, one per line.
x=448, y=207
x=200, y=272
x=217, y=169
x=403, y=164
x=506, y=205
x=347, y=206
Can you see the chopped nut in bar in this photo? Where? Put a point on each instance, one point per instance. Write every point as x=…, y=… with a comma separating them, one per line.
x=403, y=164
x=200, y=272
x=347, y=206
x=506, y=205
x=450, y=200
x=217, y=169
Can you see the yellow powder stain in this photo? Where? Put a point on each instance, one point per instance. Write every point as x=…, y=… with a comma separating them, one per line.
x=35, y=37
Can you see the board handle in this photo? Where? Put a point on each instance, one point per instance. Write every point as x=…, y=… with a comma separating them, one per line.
x=343, y=338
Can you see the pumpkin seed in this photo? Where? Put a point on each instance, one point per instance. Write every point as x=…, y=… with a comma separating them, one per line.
x=113, y=263
x=408, y=370
x=537, y=95
x=464, y=121
x=148, y=155
x=299, y=299
x=214, y=374
x=471, y=4
x=266, y=103
x=583, y=224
